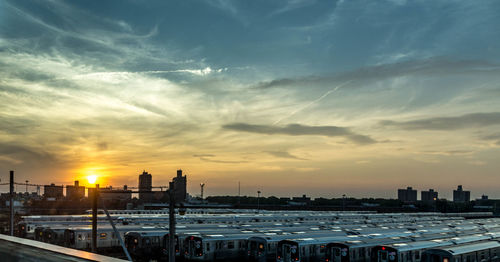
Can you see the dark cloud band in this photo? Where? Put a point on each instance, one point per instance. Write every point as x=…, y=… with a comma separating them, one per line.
x=448, y=123
x=301, y=130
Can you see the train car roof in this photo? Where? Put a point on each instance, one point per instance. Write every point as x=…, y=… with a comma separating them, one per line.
x=463, y=249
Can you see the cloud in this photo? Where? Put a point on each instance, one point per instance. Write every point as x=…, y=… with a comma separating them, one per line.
x=431, y=66
x=203, y=155
x=102, y=146
x=284, y=154
x=301, y=130
x=447, y=123
x=492, y=137
x=449, y=152
x=20, y=153
x=209, y=158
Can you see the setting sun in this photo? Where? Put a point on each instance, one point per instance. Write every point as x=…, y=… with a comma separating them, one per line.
x=92, y=179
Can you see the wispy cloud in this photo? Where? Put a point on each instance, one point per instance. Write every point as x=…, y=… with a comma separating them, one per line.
x=447, y=123
x=213, y=159
x=430, y=66
x=317, y=100
x=284, y=154
x=302, y=130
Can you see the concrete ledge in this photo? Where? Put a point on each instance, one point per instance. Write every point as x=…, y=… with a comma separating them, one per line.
x=20, y=249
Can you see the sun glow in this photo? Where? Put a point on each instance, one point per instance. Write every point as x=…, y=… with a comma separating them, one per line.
x=92, y=179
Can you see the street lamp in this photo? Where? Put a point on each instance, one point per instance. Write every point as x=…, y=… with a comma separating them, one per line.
x=258, y=201
x=343, y=202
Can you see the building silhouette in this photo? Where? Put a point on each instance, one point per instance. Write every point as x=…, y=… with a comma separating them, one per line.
x=180, y=185
x=429, y=196
x=460, y=195
x=111, y=194
x=75, y=191
x=145, y=186
x=53, y=191
x=407, y=195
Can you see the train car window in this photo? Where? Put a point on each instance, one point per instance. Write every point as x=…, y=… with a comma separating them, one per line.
x=417, y=255
x=230, y=244
x=208, y=246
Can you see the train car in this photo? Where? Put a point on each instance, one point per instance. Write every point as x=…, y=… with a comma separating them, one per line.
x=145, y=244
x=216, y=247
x=39, y=233
x=54, y=236
x=412, y=251
x=80, y=238
x=487, y=251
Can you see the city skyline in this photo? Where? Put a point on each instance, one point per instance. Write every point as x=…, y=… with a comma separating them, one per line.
x=286, y=97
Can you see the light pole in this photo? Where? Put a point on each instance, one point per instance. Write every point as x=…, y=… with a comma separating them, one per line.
x=343, y=202
x=171, y=222
x=95, y=196
x=258, y=201
x=27, y=186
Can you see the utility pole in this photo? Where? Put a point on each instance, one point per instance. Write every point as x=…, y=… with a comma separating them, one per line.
x=94, y=218
x=27, y=186
x=171, y=223
x=343, y=202
x=11, y=187
x=239, y=193
x=202, y=185
x=258, y=201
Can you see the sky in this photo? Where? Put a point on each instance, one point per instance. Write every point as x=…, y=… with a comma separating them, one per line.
x=294, y=97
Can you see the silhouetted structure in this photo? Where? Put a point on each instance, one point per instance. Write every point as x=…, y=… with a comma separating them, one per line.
x=180, y=184
x=407, y=195
x=304, y=200
x=145, y=186
x=110, y=194
x=460, y=195
x=429, y=196
x=53, y=191
x=75, y=192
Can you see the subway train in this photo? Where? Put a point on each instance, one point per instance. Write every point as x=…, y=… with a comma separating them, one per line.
x=487, y=251
x=412, y=251
x=256, y=237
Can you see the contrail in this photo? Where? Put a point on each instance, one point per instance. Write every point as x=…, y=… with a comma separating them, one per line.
x=313, y=102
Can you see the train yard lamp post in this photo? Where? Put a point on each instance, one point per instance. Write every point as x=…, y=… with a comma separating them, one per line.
x=171, y=223
x=95, y=196
x=258, y=201
x=27, y=186
x=11, y=189
x=343, y=202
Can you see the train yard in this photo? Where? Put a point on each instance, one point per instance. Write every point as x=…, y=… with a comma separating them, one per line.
x=281, y=236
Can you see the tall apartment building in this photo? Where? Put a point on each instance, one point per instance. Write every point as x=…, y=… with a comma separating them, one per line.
x=180, y=187
x=53, y=191
x=407, y=195
x=460, y=195
x=145, y=186
x=429, y=196
x=75, y=191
